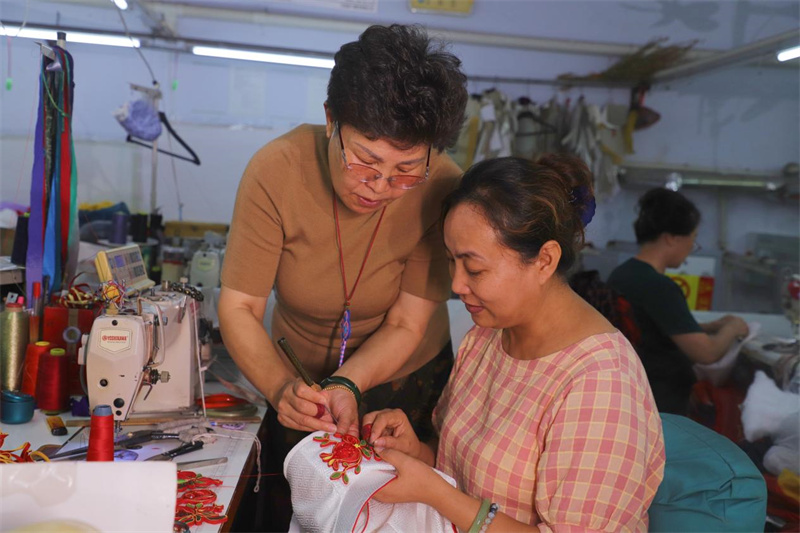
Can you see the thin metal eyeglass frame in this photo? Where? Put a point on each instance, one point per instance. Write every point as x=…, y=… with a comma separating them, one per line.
x=391, y=179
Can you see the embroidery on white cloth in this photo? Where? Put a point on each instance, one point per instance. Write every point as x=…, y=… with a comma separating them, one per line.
x=333, y=479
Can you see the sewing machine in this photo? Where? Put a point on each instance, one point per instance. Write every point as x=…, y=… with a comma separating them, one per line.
x=143, y=358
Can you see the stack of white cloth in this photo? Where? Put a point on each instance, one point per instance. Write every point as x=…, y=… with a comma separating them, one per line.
x=333, y=481
x=768, y=411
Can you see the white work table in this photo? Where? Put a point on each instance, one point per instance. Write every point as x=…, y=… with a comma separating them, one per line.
x=237, y=451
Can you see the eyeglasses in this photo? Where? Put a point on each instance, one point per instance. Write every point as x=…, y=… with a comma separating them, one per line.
x=696, y=247
x=367, y=174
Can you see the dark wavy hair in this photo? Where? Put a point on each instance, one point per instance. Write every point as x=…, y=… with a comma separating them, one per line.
x=529, y=203
x=664, y=211
x=395, y=83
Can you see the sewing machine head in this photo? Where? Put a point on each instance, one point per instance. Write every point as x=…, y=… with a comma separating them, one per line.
x=143, y=357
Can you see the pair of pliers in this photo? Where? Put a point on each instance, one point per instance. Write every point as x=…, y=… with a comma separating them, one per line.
x=220, y=401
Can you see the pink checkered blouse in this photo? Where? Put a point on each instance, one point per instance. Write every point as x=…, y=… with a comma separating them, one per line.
x=570, y=441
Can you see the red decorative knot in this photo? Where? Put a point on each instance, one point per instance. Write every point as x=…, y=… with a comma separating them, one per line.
x=194, y=514
x=347, y=454
x=195, y=504
x=189, y=480
x=197, y=496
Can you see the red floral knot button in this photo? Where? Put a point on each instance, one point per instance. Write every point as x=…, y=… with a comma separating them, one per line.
x=347, y=454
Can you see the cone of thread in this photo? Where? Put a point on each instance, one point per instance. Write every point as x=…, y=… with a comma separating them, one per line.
x=101, y=435
x=13, y=343
x=52, y=396
x=30, y=369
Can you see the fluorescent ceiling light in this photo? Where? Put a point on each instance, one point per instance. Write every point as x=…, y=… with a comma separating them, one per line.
x=72, y=37
x=789, y=53
x=28, y=33
x=264, y=57
x=122, y=4
x=106, y=40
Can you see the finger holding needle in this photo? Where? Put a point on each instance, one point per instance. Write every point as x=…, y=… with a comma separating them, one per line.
x=287, y=349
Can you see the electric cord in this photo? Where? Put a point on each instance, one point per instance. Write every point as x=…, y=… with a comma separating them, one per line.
x=138, y=51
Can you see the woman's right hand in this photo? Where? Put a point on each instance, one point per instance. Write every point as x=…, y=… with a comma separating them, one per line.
x=741, y=328
x=302, y=408
x=391, y=429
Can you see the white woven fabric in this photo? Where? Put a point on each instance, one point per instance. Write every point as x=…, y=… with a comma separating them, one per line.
x=321, y=504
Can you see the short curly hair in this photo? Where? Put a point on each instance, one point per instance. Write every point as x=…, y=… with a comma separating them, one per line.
x=396, y=83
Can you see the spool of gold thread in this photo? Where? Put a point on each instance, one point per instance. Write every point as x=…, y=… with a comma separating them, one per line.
x=13, y=343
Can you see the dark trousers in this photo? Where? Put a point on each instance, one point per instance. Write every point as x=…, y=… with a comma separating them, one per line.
x=270, y=509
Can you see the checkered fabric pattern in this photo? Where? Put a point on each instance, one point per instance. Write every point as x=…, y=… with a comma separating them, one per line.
x=571, y=441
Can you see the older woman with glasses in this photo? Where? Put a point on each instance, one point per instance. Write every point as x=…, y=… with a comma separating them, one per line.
x=671, y=340
x=341, y=220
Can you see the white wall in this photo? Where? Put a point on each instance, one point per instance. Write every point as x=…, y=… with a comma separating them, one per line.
x=741, y=118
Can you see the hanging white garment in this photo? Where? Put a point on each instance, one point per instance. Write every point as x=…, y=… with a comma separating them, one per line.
x=463, y=153
x=497, y=128
x=609, y=121
x=526, y=138
x=582, y=137
x=333, y=481
x=554, y=114
x=488, y=126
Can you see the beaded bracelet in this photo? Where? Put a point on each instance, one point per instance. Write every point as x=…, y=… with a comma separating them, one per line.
x=489, y=517
x=340, y=387
x=483, y=512
x=341, y=380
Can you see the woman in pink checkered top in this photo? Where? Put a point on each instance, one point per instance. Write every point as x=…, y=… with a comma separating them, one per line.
x=547, y=422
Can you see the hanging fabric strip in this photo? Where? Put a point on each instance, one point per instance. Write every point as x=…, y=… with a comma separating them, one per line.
x=73, y=241
x=65, y=157
x=51, y=261
x=68, y=211
x=33, y=261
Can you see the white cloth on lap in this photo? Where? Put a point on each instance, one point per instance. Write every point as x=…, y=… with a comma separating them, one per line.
x=717, y=372
x=324, y=504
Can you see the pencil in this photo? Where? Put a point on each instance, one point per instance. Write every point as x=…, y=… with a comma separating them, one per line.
x=284, y=344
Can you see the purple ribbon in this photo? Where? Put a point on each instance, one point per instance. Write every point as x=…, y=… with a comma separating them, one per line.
x=345, y=324
x=33, y=261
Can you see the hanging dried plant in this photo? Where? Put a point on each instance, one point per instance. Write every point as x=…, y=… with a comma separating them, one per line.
x=641, y=65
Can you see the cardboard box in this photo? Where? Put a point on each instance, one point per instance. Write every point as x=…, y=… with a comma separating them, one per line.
x=61, y=324
x=698, y=290
x=6, y=240
x=196, y=230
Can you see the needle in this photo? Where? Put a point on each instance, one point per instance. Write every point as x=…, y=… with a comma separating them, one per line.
x=284, y=344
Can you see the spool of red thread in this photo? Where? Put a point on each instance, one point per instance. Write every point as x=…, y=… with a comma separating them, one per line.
x=51, y=383
x=30, y=369
x=101, y=435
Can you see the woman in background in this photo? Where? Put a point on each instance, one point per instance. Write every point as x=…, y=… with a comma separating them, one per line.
x=547, y=422
x=671, y=340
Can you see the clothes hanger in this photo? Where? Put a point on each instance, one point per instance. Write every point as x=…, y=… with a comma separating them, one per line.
x=163, y=118
x=154, y=95
x=547, y=128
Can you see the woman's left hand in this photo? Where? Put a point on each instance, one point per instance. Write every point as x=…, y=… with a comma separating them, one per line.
x=344, y=409
x=415, y=480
